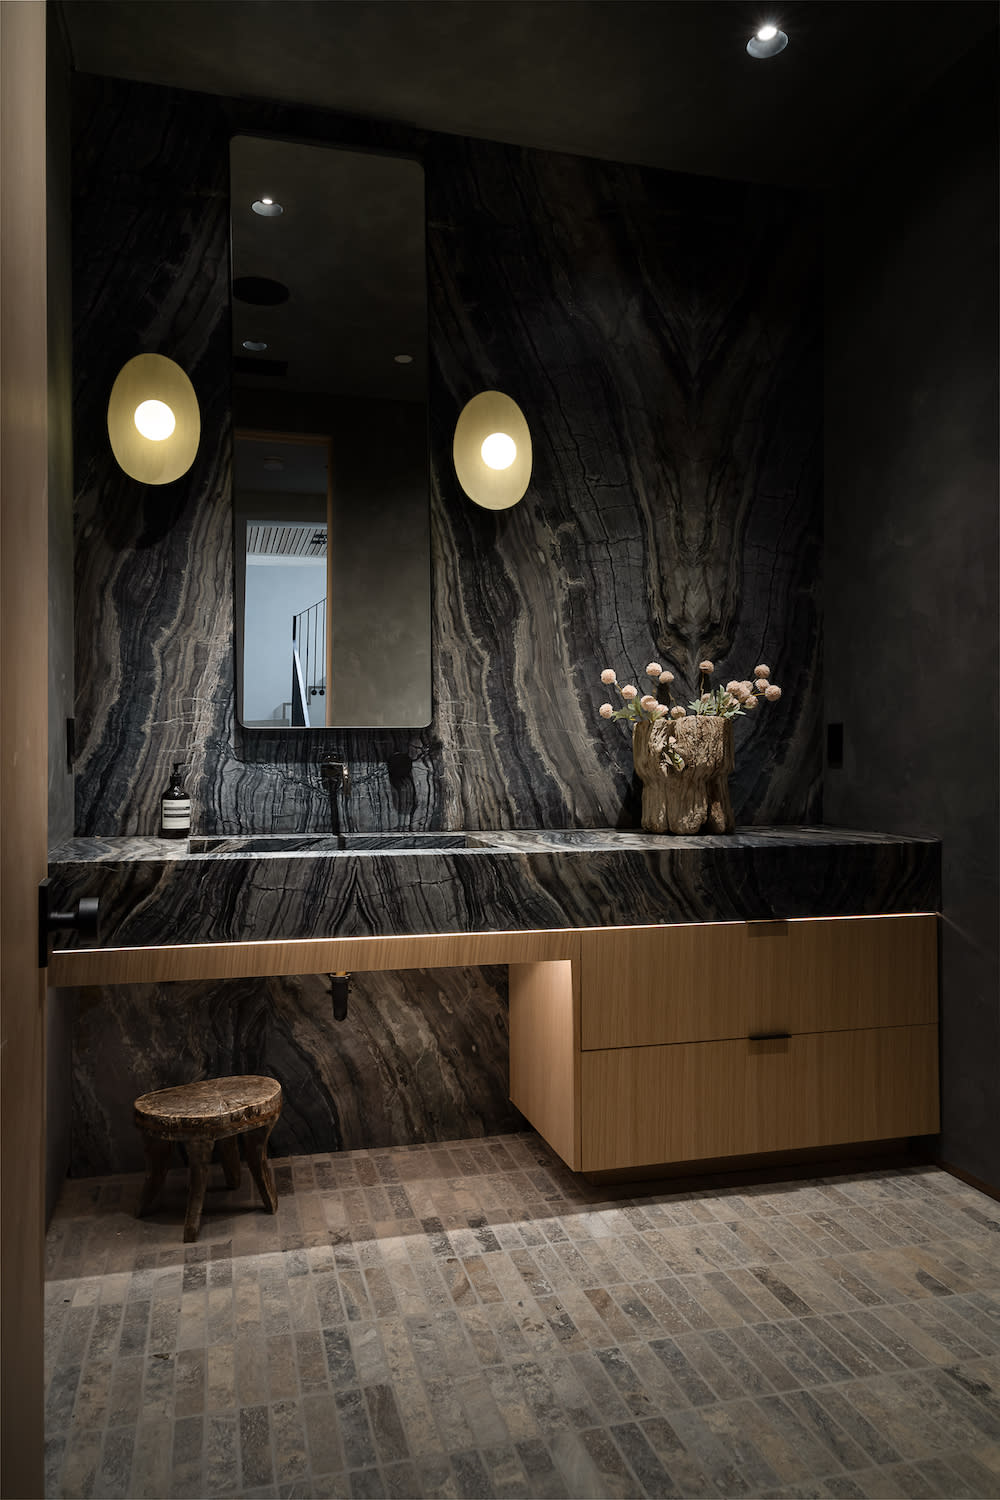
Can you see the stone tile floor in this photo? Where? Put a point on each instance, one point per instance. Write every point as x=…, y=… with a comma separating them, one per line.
x=471, y=1320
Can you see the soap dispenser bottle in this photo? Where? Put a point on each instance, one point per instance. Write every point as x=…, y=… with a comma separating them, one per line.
x=175, y=807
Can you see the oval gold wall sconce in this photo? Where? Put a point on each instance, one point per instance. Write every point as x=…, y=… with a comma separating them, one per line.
x=492, y=451
x=153, y=419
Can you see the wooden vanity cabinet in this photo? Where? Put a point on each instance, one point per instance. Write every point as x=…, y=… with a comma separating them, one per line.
x=684, y=1042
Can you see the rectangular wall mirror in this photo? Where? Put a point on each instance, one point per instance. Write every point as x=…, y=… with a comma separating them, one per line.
x=330, y=471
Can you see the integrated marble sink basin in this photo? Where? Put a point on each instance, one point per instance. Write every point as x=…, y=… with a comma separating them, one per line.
x=287, y=886
x=510, y=841
x=332, y=843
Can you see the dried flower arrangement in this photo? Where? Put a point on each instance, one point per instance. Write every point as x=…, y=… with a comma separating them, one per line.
x=737, y=697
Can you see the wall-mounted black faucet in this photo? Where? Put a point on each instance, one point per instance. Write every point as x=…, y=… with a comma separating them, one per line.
x=337, y=780
x=335, y=772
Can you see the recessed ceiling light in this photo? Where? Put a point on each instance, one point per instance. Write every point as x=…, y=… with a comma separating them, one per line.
x=267, y=208
x=254, y=345
x=260, y=291
x=767, y=42
x=403, y=359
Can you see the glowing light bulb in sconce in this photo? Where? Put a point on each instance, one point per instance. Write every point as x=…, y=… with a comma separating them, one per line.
x=767, y=33
x=491, y=450
x=499, y=450
x=154, y=420
x=154, y=425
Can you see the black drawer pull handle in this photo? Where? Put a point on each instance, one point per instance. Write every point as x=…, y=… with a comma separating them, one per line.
x=769, y=1036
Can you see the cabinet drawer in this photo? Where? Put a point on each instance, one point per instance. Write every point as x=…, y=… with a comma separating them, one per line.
x=642, y=1105
x=643, y=986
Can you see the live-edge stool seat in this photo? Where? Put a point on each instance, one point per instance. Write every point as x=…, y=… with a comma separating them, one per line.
x=199, y=1115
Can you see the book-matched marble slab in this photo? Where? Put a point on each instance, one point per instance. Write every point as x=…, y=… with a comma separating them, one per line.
x=151, y=892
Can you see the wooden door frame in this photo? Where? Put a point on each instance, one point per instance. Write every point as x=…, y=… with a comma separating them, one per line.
x=23, y=737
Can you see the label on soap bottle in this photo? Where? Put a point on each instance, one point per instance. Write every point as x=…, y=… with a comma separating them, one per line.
x=175, y=807
x=175, y=815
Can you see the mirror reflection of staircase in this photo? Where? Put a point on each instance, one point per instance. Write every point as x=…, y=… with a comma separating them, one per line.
x=308, y=704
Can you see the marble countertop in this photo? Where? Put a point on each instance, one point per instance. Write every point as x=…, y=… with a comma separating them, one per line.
x=154, y=891
x=134, y=849
x=633, y=838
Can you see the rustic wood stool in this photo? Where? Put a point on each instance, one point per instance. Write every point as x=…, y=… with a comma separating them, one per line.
x=199, y=1114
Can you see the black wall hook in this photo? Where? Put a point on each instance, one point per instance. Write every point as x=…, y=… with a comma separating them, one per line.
x=83, y=919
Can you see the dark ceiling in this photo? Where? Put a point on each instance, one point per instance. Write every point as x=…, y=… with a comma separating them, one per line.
x=667, y=83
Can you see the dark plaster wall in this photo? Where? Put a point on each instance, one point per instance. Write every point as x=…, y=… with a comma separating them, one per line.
x=911, y=544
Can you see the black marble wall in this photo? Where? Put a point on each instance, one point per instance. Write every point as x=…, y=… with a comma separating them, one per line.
x=662, y=335
x=661, y=332
x=422, y=1056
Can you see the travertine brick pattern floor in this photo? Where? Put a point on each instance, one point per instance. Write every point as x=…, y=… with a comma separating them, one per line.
x=470, y=1320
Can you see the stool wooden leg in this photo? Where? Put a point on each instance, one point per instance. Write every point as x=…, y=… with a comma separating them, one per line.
x=260, y=1169
x=157, y=1161
x=229, y=1150
x=199, y=1157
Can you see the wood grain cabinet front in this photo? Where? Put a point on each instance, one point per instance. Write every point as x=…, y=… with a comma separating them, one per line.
x=681, y=1043
x=693, y=1100
x=704, y=982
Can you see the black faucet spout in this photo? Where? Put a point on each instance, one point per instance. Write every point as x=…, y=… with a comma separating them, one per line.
x=336, y=774
x=337, y=780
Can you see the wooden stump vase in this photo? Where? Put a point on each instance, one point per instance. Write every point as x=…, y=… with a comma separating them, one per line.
x=695, y=800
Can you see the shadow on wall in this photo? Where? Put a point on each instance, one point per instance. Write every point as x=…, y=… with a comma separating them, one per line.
x=421, y=1057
